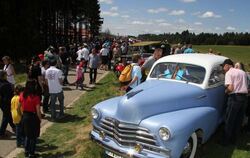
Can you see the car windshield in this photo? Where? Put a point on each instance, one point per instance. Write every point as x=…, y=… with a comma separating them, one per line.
x=179, y=71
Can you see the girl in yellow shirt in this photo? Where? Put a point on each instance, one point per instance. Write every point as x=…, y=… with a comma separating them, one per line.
x=16, y=112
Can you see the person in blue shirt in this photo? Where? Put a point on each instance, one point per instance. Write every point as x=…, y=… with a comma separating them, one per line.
x=178, y=74
x=189, y=49
x=136, y=74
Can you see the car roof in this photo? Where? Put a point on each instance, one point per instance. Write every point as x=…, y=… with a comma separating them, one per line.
x=145, y=43
x=204, y=60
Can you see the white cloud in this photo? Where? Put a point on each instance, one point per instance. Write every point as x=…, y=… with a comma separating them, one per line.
x=125, y=16
x=160, y=20
x=181, y=21
x=198, y=23
x=106, y=1
x=108, y=13
x=217, y=28
x=230, y=28
x=157, y=31
x=177, y=12
x=114, y=8
x=158, y=10
x=188, y=1
x=164, y=24
x=210, y=14
x=119, y=28
x=137, y=22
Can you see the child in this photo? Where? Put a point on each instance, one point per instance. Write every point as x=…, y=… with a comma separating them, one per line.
x=80, y=74
x=16, y=112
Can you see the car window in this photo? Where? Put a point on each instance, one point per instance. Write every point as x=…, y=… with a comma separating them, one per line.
x=179, y=71
x=217, y=76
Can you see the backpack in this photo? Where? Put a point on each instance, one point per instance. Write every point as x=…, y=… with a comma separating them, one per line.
x=126, y=74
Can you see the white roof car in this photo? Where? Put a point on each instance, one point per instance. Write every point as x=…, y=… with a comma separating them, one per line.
x=207, y=62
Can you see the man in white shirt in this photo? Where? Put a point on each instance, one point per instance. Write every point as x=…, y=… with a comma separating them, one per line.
x=104, y=52
x=79, y=54
x=54, y=80
x=85, y=54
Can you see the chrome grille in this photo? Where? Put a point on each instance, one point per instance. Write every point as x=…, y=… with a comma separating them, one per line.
x=127, y=134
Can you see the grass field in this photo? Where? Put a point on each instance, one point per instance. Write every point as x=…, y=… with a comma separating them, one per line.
x=236, y=53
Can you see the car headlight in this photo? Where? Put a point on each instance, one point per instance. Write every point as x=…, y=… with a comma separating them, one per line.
x=164, y=133
x=95, y=113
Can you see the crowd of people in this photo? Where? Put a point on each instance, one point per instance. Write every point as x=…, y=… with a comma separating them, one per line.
x=47, y=73
x=23, y=107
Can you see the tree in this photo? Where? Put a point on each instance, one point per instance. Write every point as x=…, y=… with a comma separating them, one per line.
x=29, y=27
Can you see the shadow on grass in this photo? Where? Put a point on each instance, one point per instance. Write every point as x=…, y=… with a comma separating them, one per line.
x=69, y=118
x=45, y=149
x=57, y=155
x=213, y=149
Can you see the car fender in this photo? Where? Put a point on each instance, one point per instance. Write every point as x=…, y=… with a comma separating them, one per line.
x=181, y=125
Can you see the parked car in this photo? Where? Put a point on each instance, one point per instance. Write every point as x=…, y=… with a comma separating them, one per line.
x=149, y=46
x=179, y=106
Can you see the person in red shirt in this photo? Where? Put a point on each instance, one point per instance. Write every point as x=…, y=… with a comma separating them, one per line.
x=30, y=102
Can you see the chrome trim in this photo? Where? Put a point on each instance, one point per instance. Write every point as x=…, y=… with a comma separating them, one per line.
x=126, y=135
x=123, y=153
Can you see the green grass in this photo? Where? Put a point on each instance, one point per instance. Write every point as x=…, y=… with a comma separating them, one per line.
x=236, y=53
x=20, y=78
x=69, y=137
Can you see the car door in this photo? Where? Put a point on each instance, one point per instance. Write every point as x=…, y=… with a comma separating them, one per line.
x=216, y=91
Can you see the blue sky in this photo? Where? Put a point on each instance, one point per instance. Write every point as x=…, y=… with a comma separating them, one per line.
x=133, y=17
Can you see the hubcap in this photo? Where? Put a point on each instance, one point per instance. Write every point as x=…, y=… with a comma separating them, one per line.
x=187, y=149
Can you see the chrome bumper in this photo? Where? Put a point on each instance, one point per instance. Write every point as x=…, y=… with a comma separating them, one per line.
x=124, y=152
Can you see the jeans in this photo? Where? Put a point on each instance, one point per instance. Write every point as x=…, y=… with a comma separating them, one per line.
x=234, y=116
x=85, y=66
x=19, y=134
x=91, y=73
x=65, y=70
x=7, y=118
x=30, y=146
x=53, y=98
x=79, y=82
x=46, y=100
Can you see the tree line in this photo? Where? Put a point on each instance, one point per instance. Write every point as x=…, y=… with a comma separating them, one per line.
x=228, y=38
x=29, y=26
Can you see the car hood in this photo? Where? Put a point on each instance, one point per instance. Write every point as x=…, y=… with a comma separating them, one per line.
x=158, y=96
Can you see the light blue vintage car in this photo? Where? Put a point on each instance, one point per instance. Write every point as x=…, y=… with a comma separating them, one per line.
x=178, y=107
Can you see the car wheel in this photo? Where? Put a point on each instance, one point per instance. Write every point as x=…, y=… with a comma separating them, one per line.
x=191, y=147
